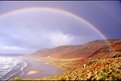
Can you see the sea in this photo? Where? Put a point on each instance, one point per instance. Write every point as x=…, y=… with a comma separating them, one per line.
x=10, y=66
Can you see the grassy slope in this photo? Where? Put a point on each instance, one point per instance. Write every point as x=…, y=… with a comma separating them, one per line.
x=100, y=69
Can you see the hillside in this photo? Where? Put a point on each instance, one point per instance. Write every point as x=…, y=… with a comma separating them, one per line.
x=72, y=55
x=85, y=50
x=103, y=64
x=99, y=69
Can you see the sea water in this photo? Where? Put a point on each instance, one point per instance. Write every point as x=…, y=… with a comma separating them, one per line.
x=9, y=66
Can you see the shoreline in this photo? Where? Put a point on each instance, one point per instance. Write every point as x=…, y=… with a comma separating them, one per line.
x=17, y=68
x=37, y=69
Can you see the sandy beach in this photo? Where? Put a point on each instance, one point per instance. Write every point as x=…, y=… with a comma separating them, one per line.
x=37, y=70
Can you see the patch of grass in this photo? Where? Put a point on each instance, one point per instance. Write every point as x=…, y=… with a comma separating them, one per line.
x=104, y=75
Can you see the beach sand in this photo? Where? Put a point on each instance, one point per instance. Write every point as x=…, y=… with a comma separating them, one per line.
x=37, y=69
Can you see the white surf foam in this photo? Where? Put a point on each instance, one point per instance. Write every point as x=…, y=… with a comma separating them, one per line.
x=8, y=64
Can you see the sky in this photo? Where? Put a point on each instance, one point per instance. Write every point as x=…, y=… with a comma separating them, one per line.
x=29, y=31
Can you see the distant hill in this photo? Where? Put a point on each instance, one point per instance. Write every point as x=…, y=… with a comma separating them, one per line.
x=85, y=50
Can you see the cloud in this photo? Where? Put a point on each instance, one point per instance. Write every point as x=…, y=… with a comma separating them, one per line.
x=59, y=38
x=5, y=49
x=10, y=47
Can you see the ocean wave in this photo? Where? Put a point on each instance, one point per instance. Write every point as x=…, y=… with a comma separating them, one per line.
x=8, y=64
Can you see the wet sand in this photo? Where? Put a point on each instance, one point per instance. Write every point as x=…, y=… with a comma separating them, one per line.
x=37, y=70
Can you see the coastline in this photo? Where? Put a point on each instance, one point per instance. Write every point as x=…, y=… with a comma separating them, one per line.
x=36, y=70
x=15, y=68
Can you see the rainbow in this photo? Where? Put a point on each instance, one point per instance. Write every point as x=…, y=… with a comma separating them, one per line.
x=56, y=11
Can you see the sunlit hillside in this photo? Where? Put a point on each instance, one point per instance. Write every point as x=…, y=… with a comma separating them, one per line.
x=99, y=69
